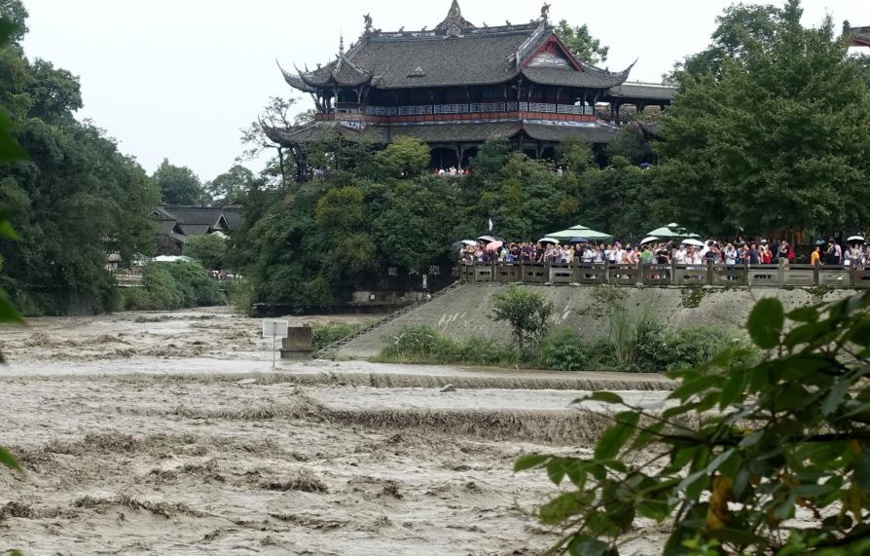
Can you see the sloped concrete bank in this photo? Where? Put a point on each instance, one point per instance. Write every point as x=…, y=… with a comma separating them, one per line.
x=467, y=310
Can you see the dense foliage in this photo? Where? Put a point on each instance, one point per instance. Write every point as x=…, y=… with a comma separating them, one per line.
x=10, y=151
x=167, y=286
x=741, y=451
x=178, y=185
x=73, y=201
x=770, y=133
x=312, y=245
x=209, y=249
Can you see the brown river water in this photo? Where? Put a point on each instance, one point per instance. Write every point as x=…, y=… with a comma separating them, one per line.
x=171, y=433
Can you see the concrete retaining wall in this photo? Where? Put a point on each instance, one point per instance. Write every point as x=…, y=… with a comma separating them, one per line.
x=467, y=310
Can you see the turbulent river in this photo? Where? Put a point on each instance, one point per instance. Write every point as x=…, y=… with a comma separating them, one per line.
x=171, y=433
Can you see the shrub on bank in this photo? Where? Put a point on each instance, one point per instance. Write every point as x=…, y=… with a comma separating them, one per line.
x=326, y=334
x=167, y=286
x=647, y=346
x=565, y=350
x=425, y=344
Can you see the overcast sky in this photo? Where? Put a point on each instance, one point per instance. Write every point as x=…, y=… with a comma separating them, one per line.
x=178, y=78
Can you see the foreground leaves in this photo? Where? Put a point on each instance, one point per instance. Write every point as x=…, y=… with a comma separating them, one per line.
x=741, y=450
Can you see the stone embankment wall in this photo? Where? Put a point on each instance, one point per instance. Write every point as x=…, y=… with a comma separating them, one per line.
x=467, y=310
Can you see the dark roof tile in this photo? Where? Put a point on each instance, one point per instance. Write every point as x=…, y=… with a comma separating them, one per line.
x=644, y=91
x=569, y=77
x=194, y=229
x=598, y=133
x=208, y=216
x=441, y=133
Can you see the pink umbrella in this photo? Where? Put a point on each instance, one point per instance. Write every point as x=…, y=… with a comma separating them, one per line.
x=492, y=246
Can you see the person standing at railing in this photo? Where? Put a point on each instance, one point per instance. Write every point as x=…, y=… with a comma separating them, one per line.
x=730, y=255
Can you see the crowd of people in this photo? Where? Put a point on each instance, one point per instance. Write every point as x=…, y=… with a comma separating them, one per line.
x=692, y=252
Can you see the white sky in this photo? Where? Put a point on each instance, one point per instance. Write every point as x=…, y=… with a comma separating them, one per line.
x=178, y=78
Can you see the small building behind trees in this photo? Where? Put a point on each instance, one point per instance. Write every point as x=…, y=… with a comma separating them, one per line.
x=178, y=223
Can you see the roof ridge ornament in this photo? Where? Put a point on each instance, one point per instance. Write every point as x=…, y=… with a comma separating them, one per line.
x=545, y=13
x=454, y=23
x=367, y=19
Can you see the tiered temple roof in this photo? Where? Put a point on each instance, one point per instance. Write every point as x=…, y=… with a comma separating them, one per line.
x=462, y=83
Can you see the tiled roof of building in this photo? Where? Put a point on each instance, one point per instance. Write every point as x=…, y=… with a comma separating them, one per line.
x=440, y=133
x=598, y=133
x=166, y=226
x=340, y=71
x=644, y=91
x=569, y=77
x=454, y=53
x=206, y=216
x=194, y=229
x=321, y=131
x=234, y=217
x=431, y=61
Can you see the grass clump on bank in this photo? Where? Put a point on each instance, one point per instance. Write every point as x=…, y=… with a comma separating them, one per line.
x=424, y=344
x=167, y=286
x=326, y=334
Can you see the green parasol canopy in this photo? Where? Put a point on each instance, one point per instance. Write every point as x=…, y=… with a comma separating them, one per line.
x=672, y=230
x=581, y=231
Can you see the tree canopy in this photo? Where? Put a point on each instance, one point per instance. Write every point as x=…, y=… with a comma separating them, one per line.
x=74, y=200
x=230, y=187
x=778, y=141
x=179, y=185
x=581, y=43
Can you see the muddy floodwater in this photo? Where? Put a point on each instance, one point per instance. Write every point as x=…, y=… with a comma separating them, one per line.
x=171, y=433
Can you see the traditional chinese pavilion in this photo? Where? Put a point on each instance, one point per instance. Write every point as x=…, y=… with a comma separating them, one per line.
x=457, y=84
x=859, y=36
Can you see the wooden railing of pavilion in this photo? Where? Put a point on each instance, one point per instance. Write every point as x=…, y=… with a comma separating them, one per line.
x=794, y=275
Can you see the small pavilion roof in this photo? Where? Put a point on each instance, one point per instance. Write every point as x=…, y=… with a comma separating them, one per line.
x=643, y=91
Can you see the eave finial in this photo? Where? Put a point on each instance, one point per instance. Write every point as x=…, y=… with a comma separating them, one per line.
x=341, y=45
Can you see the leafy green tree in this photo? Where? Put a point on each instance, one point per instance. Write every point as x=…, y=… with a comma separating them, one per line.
x=404, y=157
x=527, y=311
x=75, y=200
x=580, y=42
x=209, y=249
x=178, y=185
x=739, y=28
x=740, y=451
x=778, y=142
x=230, y=187
x=10, y=151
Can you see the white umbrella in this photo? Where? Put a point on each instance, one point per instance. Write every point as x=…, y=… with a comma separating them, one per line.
x=649, y=239
x=548, y=240
x=487, y=239
x=695, y=242
x=855, y=238
x=672, y=230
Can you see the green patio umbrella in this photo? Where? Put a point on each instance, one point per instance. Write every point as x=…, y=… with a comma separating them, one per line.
x=672, y=230
x=581, y=231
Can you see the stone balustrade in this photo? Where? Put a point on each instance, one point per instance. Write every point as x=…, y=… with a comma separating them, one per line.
x=667, y=275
